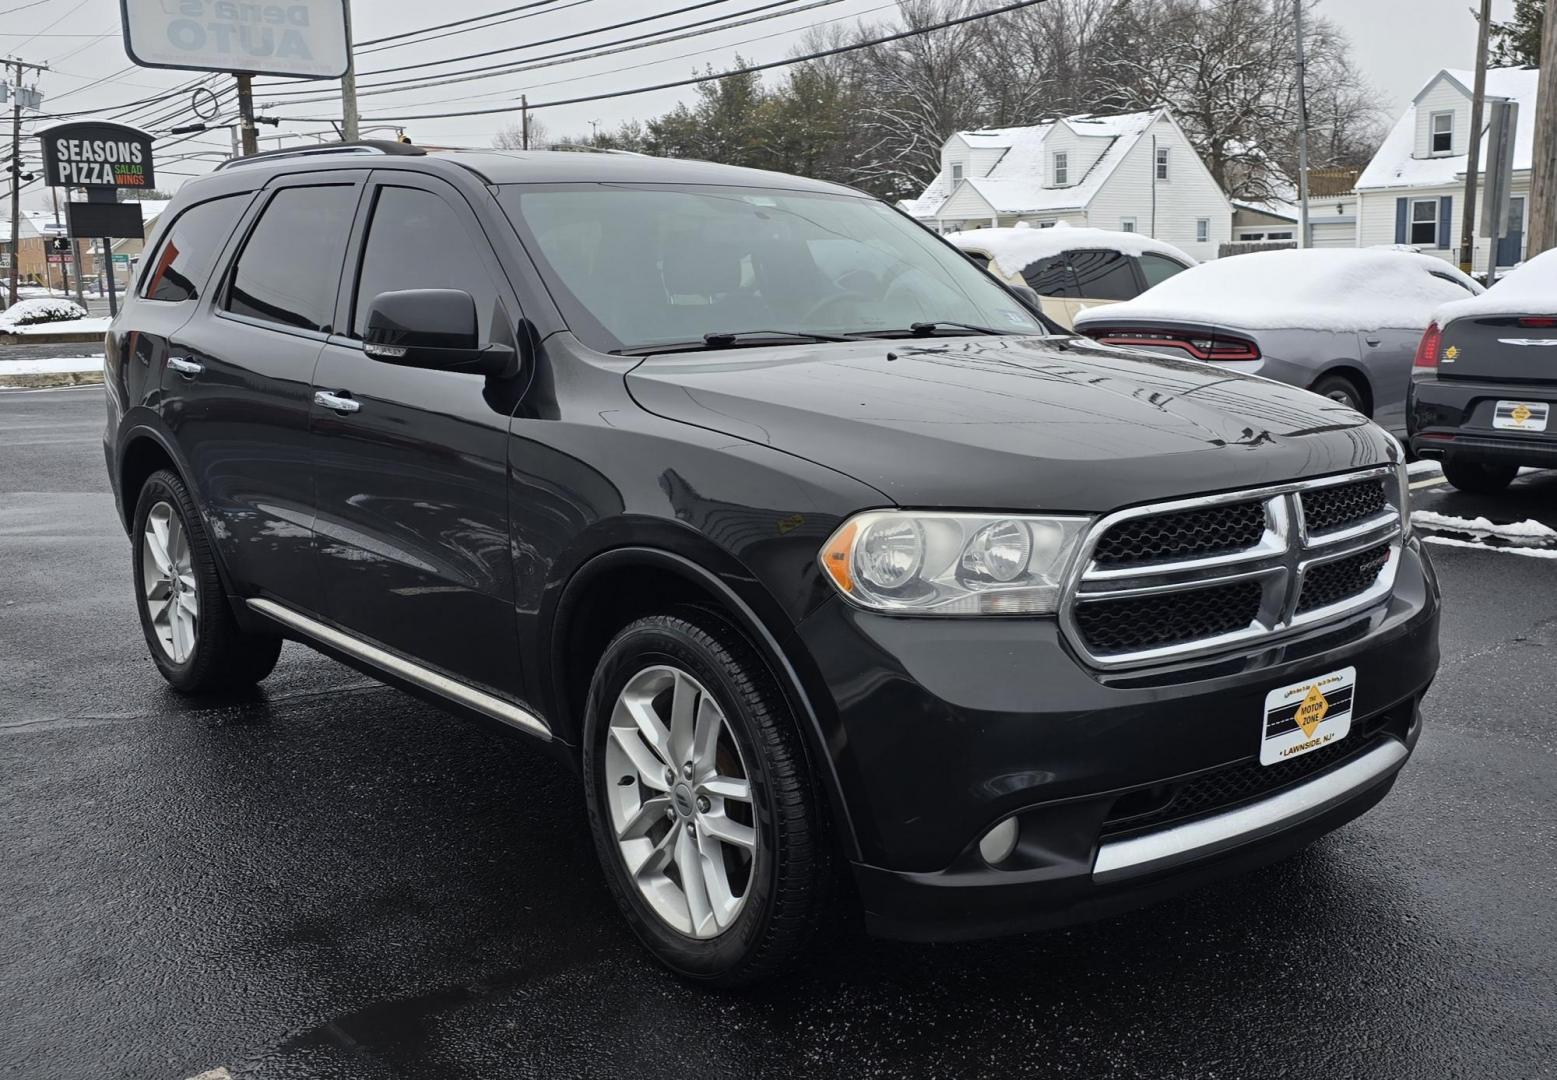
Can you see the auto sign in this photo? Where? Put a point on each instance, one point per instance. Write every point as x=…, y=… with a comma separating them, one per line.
x=292, y=37
x=97, y=155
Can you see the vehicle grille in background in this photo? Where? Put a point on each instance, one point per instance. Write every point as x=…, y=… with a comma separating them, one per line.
x=1328, y=508
x=1149, y=622
x=1331, y=582
x=1184, y=534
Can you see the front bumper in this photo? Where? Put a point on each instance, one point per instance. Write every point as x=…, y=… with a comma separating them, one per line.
x=943, y=728
x=1453, y=418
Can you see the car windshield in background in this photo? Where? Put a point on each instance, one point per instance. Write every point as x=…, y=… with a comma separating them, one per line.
x=639, y=267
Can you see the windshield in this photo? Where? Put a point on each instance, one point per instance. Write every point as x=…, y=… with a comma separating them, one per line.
x=639, y=266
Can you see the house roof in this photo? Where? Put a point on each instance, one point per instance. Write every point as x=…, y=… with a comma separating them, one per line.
x=1015, y=184
x=1393, y=166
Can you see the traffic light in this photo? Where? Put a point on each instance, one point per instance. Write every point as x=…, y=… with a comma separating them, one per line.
x=60, y=244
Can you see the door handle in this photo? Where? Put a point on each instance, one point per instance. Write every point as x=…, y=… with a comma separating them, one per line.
x=340, y=401
x=185, y=366
x=1372, y=340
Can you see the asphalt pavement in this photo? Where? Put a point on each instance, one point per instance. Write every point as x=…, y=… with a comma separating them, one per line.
x=330, y=879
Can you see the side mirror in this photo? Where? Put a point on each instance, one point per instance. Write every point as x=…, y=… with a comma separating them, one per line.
x=1029, y=297
x=432, y=328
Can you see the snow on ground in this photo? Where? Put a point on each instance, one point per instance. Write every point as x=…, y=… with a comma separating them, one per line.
x=1316, y=289
x=1529, y=553
x=1529, y=289
x=1013, y=250
x=39, y=309
x=1421, y=468
x=1528, y=529
x=51, y=365
x=72, y=326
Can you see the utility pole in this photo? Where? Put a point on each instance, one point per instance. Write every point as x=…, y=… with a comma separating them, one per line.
x=246, y=115
x=349, y=86
x=524, y=122
x=1302, y=90
x=18, y=66
x=1473, y=151
x=1543, y=186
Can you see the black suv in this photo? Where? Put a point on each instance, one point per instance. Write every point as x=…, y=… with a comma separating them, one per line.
x=791, y=529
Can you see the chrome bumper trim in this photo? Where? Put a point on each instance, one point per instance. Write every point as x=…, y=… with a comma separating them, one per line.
x=1207, y=836
x=384, y=660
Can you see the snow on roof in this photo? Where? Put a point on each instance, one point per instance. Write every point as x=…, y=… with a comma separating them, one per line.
x=1393, y=165
x=1013, y=250
x=1015, y=184
x=1529, y=289
x=1321, y=289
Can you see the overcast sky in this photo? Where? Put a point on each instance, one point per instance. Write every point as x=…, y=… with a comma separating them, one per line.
x=1396, y=43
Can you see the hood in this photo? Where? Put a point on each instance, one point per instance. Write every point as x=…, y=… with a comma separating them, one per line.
x=1013, y=423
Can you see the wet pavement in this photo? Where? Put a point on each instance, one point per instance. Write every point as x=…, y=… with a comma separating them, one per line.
x=333, y=880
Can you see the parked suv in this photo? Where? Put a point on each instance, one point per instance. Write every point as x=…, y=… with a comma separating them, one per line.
x=778, y=519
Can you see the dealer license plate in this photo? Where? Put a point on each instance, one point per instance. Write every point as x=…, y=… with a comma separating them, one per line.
x=1521, y=415
x=1307, y=715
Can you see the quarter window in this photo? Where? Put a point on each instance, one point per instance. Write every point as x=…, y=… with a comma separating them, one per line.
x=417, y=241
x=1061, y=169
x=290, y=267
x=1442, y=133
x=186, y=256
x=1424, y=222
x=1158, y=268
x=1162, y=162
x=1104, y=275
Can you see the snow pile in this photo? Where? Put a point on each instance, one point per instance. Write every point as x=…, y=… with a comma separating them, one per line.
x=1013, y=250
x=51, y=365
x=40, y=310
x=1531, y=289
x=1315, y=289
x=1528, y=529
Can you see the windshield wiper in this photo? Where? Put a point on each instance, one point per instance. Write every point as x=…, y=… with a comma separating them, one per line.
x=733, y=339
x=925, y=329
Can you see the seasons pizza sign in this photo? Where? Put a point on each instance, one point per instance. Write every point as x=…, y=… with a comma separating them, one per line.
x=97, y=155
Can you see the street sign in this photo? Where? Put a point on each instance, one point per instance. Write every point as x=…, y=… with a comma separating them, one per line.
x=296, y=37
x=93, y=154
x=95, y=220
x=122, y=259
x=55, y=258
x=1500, y=168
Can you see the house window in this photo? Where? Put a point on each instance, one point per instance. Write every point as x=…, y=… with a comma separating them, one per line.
x=1061, y=169
x=1424, y=222
x=1162, y=162
x=1442, y=133
x=1127, y=224
x=1279, y=235
x=956, y=172
x=1203, y=230
x=1046, y=224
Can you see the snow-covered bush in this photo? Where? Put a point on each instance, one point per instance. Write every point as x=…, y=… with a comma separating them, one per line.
x=33, y=312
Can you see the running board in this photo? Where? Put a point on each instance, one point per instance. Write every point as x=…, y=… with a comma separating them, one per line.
x=400, y=667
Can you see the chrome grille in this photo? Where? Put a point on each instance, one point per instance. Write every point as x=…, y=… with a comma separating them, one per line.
x=1200, y=576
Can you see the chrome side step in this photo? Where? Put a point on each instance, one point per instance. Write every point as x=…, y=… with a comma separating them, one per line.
x=1207, y=836
x=399, y=666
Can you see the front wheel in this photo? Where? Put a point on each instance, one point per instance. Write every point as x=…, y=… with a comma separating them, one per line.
x=1478, y=477
x=704, y=815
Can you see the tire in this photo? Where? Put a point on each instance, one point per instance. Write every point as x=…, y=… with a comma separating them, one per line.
x=785, y=880
x=1478, y=477
x=1340, y=388
x=192, y=635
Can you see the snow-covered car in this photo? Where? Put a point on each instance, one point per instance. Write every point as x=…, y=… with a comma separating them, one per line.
x=1073, y=269
x=1485, y=382
x=1343, y=323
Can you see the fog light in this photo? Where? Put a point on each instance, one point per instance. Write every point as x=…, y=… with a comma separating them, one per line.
x=999, y=842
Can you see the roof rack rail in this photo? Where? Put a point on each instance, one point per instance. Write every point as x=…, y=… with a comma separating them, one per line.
x=367, y=146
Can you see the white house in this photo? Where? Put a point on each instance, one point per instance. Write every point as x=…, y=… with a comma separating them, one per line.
x=1411, y=191
x=1136, y=172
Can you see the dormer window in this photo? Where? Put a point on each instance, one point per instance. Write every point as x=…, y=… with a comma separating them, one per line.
x=1061, y=169
x=956, y=172
x=1441, y=133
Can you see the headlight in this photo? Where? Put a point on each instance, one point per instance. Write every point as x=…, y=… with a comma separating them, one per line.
x=908, y=562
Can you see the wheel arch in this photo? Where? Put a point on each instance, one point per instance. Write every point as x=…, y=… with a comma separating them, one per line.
x=1352, y=374
x=616, y=586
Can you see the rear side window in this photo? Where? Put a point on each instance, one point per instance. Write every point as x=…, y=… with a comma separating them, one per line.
x=288, y=270
x=1051, y=277
x=1104, y=275
x=190, y=249
x=1158, y=268
x=417, y=241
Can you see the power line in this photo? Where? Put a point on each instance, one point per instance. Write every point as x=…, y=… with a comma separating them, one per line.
x=750, y=69
x=457, y=22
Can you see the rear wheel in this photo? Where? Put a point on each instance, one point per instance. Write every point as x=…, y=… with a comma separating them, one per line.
x=1478, y=477
x=1340, y=388
x=704, y=816
x=189, y=627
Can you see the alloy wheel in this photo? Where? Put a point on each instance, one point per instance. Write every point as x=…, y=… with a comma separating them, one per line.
x=168, y=582
x=680, y=801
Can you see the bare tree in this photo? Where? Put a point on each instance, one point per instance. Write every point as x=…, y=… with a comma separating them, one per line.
x=511, y=137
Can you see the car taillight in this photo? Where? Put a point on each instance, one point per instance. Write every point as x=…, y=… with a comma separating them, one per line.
x=1538, y=322
x=1200, y=346
x=1427, y=348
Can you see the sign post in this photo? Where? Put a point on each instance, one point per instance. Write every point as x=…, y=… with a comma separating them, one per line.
x=1500, y=178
